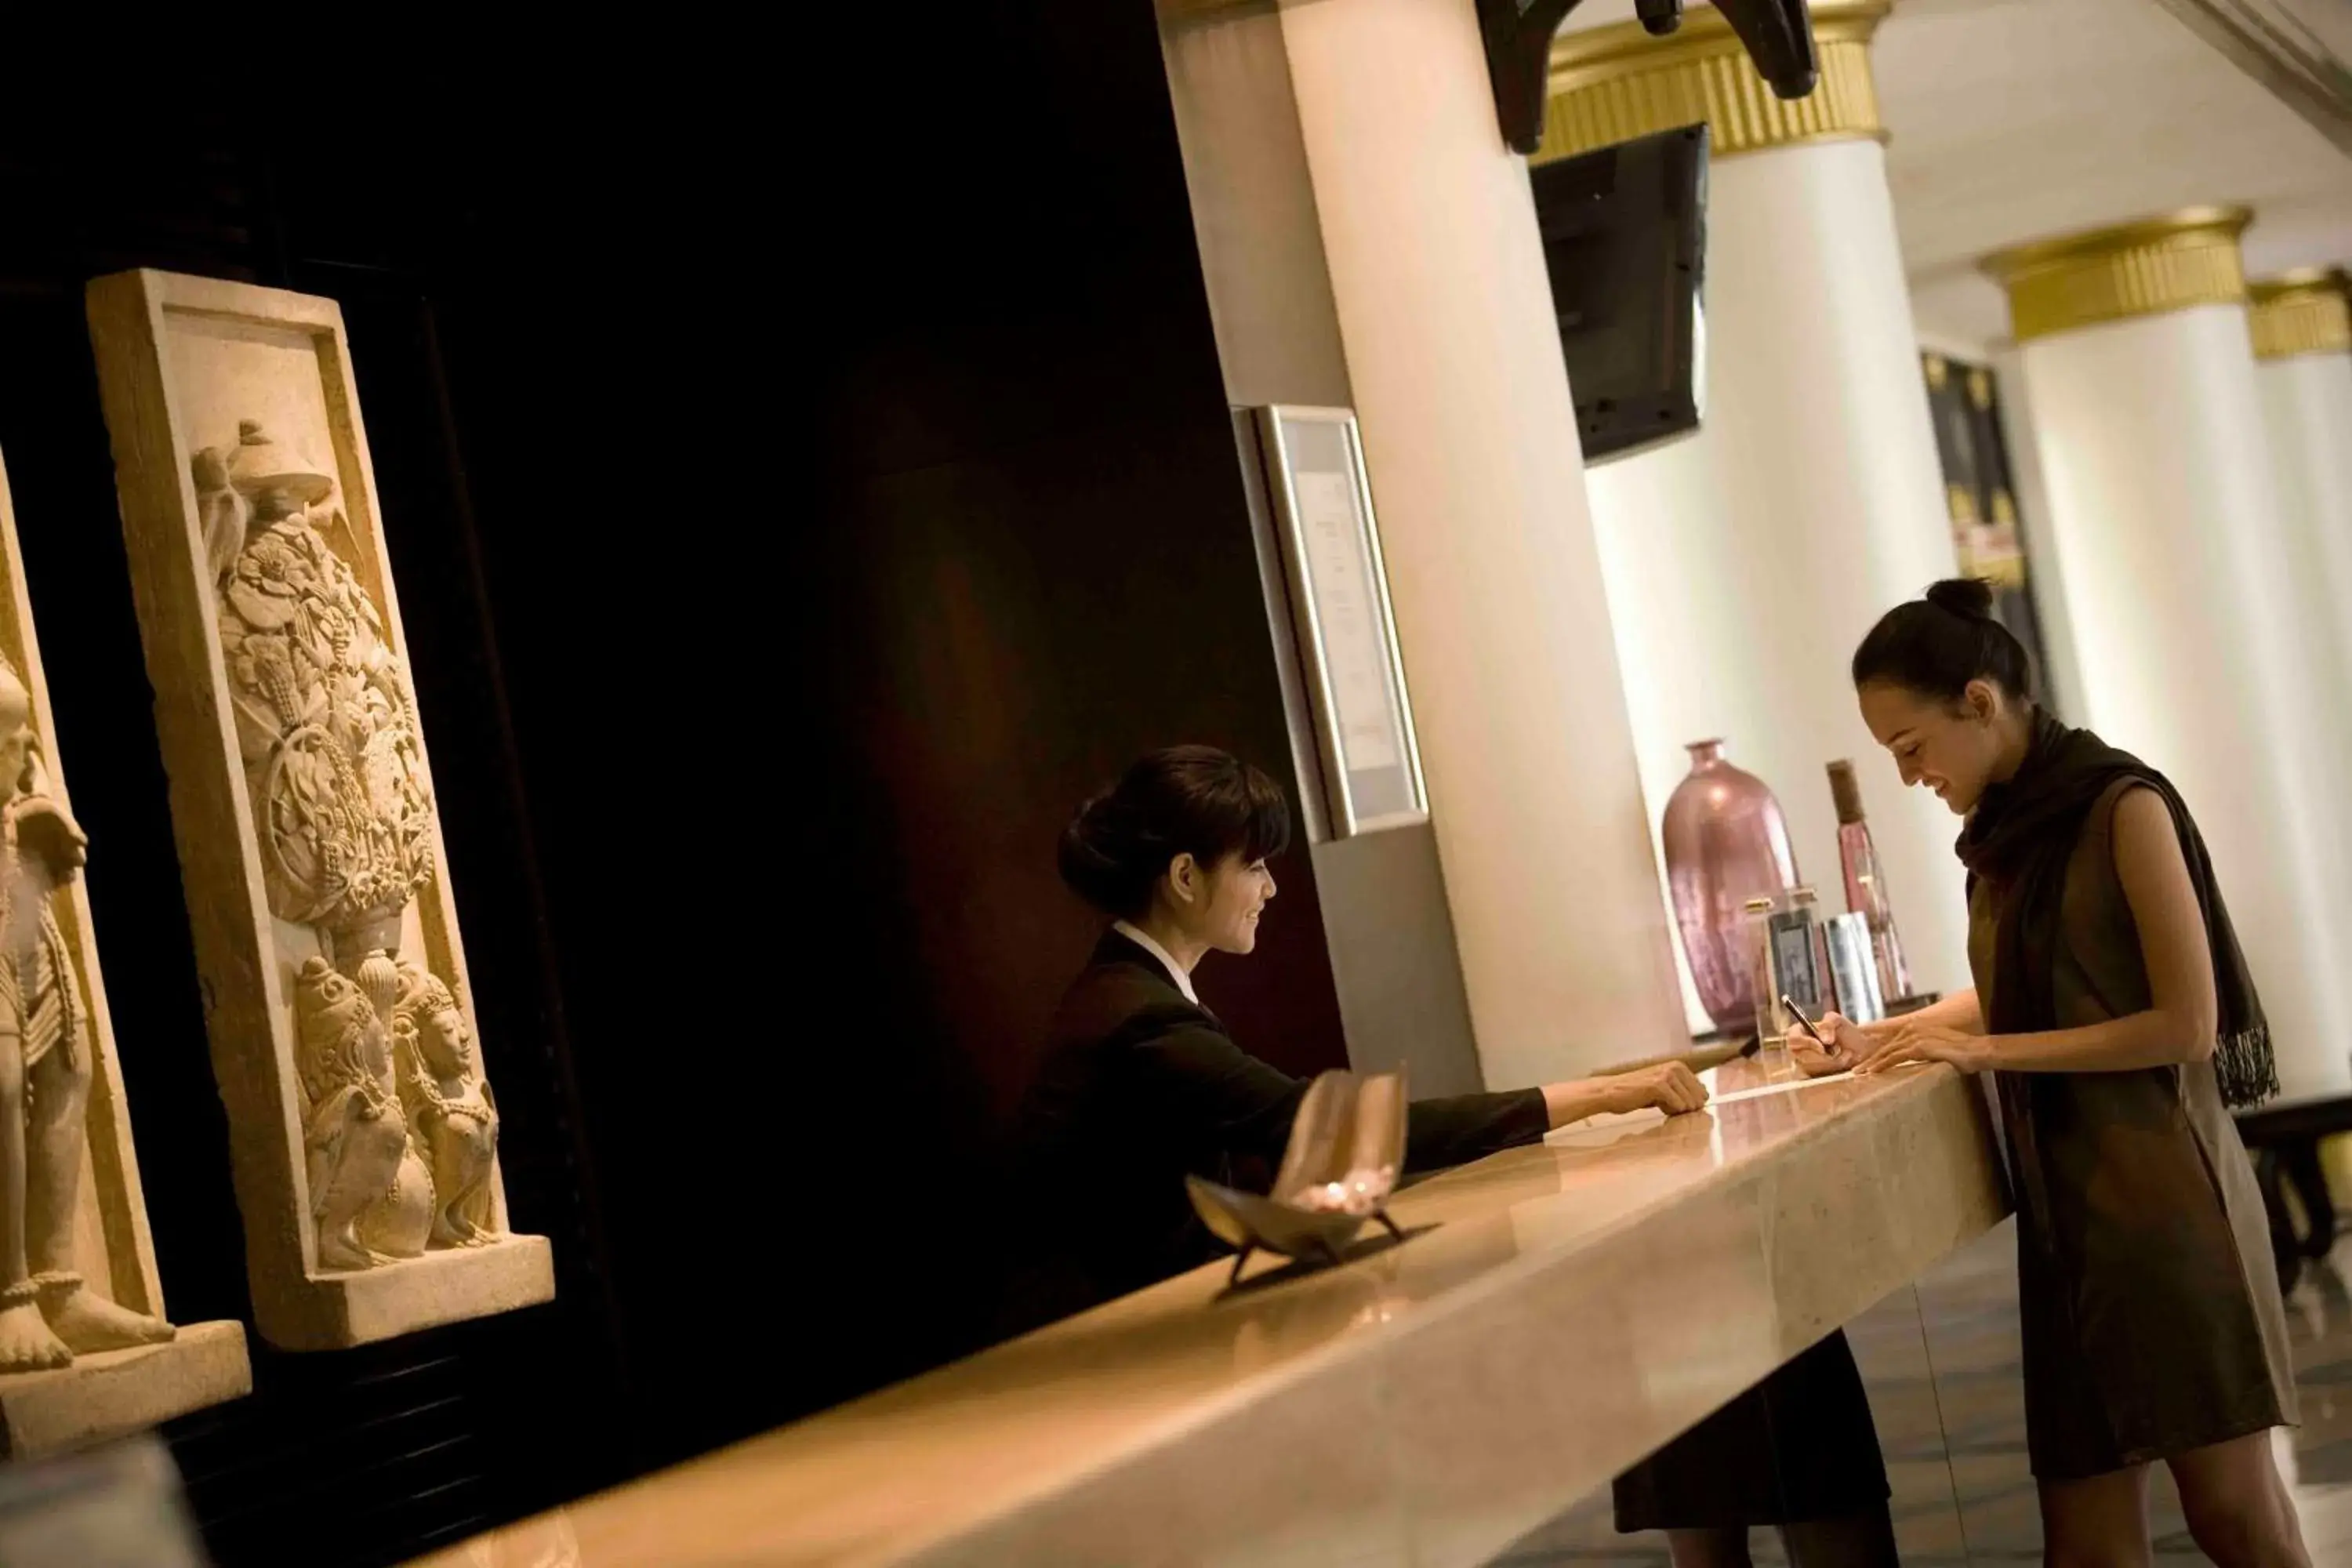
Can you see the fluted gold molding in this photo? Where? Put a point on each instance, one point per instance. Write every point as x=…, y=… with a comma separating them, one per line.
x=1611, y=84
x=2302, y=313
x=2144, y=268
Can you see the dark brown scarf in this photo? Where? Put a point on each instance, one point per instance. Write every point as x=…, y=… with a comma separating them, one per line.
x=2021, y=838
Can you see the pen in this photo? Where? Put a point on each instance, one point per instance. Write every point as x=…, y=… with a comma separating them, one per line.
x=1804, y=1023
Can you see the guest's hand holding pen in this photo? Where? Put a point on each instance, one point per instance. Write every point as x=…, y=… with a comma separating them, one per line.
x=1842, y=1045
x=1868, y=1048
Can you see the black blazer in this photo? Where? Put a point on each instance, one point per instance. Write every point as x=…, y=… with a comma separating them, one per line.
x=1140, y=1087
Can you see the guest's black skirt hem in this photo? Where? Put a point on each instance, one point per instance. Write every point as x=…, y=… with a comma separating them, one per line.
x=1798, y=1446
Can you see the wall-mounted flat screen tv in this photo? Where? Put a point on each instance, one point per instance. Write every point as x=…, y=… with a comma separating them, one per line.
x=1624, y=238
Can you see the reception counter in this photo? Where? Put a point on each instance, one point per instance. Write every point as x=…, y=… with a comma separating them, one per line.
x=1558, y=1312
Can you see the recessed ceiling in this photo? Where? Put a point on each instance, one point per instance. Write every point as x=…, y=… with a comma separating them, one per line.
x=2015, y=119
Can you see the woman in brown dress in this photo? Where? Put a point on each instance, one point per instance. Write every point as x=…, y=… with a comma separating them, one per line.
x=2115, y=1010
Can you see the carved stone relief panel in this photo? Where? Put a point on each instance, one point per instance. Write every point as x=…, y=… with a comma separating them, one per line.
x=342, y=1030
x=85, y=1350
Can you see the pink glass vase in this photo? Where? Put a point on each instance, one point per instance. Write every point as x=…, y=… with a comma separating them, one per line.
x=1726, y=843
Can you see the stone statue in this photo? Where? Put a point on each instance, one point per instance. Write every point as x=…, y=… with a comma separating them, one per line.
x=361, y=1135
x=355, y=1135
x=400, y=1133
x=448, y=1103
x=49, y=1314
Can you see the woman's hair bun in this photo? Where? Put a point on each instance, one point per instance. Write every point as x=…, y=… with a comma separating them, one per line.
x=1098, y=858
x=1970, y=599
x=1936, y=646
x=1185, y=800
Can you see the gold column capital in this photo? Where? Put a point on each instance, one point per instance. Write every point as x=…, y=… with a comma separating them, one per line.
x=2306, y=311
x=2144, y=268
x=1611, y=84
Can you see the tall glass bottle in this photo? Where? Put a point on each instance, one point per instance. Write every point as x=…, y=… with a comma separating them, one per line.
x=1866, y=885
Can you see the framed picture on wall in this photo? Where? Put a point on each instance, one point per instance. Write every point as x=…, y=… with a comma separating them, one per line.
x=1340, y=620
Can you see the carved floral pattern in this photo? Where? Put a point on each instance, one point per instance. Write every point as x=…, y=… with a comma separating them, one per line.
x=328, y=734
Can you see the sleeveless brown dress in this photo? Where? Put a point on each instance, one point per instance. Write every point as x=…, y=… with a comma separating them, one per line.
x=2151, y=1313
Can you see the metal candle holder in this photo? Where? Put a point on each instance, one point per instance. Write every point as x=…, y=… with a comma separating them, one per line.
x=1345, y=1155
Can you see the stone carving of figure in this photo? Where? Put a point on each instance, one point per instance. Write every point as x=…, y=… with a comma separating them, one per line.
x=371, y=1194
x=49, y=1314
x=329, y=738
x=448, y=1103
x=353, y=1134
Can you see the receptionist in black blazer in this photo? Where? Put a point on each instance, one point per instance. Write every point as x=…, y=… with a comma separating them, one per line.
x=1141, y=1083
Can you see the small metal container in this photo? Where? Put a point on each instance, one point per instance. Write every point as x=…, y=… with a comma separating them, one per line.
x=1853, y=969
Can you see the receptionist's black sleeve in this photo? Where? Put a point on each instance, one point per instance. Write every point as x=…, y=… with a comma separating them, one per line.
x=1440, y=1132
x=1246, y=1106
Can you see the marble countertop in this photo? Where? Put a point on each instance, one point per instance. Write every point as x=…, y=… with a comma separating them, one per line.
x=1577, y=1303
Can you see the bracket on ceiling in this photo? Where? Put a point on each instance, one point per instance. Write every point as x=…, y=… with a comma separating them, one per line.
x=1518, y=35
x=1776, y=34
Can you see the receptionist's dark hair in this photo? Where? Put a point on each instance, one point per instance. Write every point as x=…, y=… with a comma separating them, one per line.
x=1186, y=800
x=1935, y=646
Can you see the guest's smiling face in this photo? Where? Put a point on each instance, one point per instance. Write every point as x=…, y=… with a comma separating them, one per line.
x=1947, y=748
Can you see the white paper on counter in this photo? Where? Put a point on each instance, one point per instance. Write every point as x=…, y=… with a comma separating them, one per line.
x=1785, y=1086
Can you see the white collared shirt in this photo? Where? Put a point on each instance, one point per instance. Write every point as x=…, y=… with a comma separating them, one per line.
x=1142, y=939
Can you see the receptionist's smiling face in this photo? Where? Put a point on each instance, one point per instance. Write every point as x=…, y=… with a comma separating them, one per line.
x=1220, y=906
x=1238, y=893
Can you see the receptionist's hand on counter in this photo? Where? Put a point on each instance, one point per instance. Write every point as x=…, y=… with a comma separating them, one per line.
x=1672, y=1088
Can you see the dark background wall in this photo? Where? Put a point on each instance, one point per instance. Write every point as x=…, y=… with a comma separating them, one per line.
x=791, y=524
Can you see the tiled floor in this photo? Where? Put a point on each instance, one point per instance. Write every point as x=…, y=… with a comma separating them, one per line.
x=1941, y=1363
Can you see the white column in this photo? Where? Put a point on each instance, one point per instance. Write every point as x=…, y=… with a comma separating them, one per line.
x=1745, y=563
x=2165, y=514
x=1470, y=437
x=2041, y=563
x=2302, y=336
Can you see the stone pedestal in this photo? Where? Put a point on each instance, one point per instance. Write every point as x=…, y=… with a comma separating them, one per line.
x=357, y=1306
x=112, y=1393
x=343, y=1038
